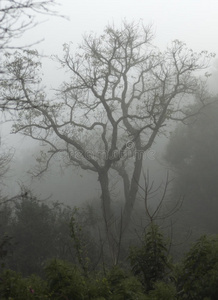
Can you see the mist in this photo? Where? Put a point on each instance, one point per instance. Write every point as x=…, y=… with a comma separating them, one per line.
x=108, y=147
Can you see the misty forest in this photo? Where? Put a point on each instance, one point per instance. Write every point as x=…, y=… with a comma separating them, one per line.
x=130, y=136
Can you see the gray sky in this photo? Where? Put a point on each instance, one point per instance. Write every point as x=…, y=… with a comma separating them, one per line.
x=192, y=21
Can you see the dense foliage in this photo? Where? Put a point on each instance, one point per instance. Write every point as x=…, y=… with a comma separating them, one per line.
x=199, y=272
x=151, y=274
x=33, y=232
x=150, y=261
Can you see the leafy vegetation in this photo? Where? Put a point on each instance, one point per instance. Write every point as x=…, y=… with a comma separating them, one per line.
x=150, y=276
x=199, y=272
x=150, y=261
x=34, y=232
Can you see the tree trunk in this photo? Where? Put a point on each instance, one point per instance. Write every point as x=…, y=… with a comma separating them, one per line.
x=108, y=215
x=130, y=196
x=105, y=196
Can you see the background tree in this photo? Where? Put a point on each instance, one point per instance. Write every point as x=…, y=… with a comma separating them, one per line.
x=192, y=154
x=121, y=93
x=38, y=232
x=34, y=231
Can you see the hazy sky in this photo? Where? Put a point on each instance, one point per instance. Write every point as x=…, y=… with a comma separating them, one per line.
x=192, y=21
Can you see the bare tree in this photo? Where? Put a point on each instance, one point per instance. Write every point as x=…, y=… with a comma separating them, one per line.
x=121, y=93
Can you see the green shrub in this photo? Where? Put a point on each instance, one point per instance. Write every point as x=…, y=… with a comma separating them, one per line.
x=65, y=281
x=198, y=276
x=31, y=232
x=37, y=287
x=124, y=286
x=13, y=286
x=163, y=291
x=150, y=261
x=98, y=288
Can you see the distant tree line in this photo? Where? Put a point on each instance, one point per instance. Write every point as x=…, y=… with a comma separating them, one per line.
x=192, y=156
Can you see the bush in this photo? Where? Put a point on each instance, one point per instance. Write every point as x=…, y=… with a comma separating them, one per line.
x=13, y=286
x=198, y=277
x=98, y=288
x=150, y=261
x=35, y=232
x=163, y=291
x=124, y=286
x=65, y=281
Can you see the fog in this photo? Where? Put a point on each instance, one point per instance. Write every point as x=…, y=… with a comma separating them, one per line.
x=194, y=22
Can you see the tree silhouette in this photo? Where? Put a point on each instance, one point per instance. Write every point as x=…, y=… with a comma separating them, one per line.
x=120, y=94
